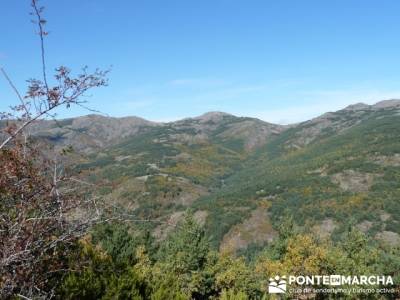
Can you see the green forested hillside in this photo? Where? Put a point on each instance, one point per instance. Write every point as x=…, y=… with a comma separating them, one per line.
x=164, y=169
x=215, y=206
x=241, y=176
x=346, y=176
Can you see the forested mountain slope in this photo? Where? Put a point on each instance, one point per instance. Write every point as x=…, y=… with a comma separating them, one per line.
x=241, y=176
x=338, y=170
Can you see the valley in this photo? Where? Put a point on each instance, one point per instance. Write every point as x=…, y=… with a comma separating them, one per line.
x=242, y=176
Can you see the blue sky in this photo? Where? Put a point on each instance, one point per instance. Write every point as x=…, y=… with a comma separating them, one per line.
x=281, y=61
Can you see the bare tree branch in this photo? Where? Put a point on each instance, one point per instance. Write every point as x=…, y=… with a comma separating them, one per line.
x=41, y=213
x=41, y=22
x=15, y=90
x=44, y=98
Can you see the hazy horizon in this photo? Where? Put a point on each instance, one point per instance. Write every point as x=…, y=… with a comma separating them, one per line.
x=99, y=113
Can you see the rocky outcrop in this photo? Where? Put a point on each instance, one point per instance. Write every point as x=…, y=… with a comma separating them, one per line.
x=257, y=229
x=353, y=181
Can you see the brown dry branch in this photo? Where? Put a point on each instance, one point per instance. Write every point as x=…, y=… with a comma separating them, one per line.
x=42, y=99
x=43, y=211
x=37, y=224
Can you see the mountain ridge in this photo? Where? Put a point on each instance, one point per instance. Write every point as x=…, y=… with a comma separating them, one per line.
x=209, y=116
x=242, y=175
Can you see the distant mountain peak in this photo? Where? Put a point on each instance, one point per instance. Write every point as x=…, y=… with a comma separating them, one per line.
x=387, y=103
x=106, y=117
x=212, y=116
x=357, y=106
x=381, y=104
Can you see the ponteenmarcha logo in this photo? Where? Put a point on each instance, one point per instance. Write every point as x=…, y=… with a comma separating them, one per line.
x=277, y=285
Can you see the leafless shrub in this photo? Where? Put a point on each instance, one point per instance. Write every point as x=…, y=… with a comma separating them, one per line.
x=39, y=202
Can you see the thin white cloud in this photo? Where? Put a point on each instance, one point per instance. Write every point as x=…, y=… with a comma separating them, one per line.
x=319, y=102
x=283, y=101
x=197, y=82
x=130, y=105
